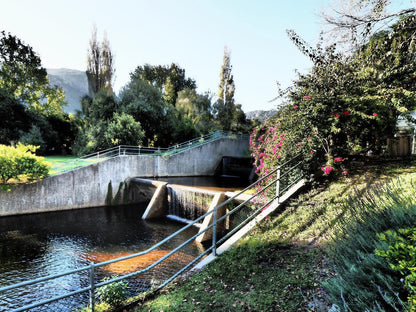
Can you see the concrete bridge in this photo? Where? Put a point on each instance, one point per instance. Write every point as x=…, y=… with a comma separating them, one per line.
x=108, y=181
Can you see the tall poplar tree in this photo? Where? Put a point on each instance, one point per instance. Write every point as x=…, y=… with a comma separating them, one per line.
x=100, y=65
x=225, y=106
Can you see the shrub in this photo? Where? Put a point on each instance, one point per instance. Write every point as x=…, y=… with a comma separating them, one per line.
x=20, y=162
x=400, y=252
x=115, y=293
x=365, y=281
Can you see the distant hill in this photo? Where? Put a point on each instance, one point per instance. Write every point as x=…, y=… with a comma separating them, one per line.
x=261, y=115
x=73, y=82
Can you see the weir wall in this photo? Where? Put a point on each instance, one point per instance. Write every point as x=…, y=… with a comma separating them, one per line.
x=107, y=181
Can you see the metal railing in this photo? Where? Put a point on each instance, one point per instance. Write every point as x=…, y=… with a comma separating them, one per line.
x=128, y=150
x=227, y=219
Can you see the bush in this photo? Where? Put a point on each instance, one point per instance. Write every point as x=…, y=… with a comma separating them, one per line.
x=400, y=252
x=20, y=163
x=115, y=293
x=365, y=281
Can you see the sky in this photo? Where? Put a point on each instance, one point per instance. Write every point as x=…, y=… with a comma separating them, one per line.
x=191, y=33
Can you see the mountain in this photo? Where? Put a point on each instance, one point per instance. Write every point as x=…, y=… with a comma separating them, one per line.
x=261, y=115
x=73, y=82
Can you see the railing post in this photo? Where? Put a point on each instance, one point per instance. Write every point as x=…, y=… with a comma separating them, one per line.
x=119, y=150
x=98, y=155
x=214, y=232
x=278, y=183
x=92, y=287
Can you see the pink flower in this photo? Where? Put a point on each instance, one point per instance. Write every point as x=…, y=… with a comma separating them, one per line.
x=345, y=172
x=336, y=115
x=309, y=138
x=306, y=97
x=375, y=114
x=295, y=107
x=346, y=113
x=338, y=159
x=327, y=169
x=311, y=152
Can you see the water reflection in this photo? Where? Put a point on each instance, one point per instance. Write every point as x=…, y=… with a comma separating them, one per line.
x=34, y=246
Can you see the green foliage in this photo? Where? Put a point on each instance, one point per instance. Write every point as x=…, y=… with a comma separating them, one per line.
x=23, y=77
x=33, y=137
x=346, y=105
x=145, y=103
x=400, y=253
x=198, y=108
x=225, y=107
x=123, y=130
x=13, y=116
x=169, y=79
x=114, y=293
x=20, y=163
x=365, y=281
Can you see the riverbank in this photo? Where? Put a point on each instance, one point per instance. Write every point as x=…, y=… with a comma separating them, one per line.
x=281, y=265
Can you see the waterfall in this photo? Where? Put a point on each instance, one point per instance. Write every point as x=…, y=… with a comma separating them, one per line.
x=187, y=202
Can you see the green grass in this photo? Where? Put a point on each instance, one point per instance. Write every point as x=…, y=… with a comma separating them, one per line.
x=280, y=265
x=65, y=163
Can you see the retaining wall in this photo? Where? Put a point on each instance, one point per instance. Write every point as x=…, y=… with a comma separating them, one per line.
x=91, y=186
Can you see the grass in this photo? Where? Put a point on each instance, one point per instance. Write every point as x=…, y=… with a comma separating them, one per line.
x=281, y=264
x=65, y=163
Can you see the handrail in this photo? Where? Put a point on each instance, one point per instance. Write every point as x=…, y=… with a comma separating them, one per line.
x=264, y=183
x=129, y=150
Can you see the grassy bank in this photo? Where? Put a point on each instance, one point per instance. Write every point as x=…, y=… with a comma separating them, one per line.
x=281, y=264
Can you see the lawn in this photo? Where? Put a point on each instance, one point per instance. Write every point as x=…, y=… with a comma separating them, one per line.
x=65, y=163
x=280, y=266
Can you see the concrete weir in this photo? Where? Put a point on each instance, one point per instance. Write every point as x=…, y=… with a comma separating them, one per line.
x=108, y=181
x=193, y=203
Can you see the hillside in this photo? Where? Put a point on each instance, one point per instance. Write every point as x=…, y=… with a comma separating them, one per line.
x=261, y=115
x=73, y=82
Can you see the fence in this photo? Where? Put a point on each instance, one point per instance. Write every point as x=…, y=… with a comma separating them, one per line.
x=126, y=150
x=156, y=267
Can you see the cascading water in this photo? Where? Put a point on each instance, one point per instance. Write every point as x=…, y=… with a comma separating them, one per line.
x=188, y=203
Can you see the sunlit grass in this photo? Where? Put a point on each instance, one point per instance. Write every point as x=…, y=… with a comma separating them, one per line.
x=62, y=164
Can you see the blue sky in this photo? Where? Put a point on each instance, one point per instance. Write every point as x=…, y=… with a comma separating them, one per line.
x=191, y=33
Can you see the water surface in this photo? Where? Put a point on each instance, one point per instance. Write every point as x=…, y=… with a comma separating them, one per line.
x=33, y=246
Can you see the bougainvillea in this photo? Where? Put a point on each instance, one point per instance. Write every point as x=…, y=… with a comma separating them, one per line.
x=346, y=105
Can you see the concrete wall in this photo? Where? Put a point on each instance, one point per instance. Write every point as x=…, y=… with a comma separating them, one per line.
x=89, y=186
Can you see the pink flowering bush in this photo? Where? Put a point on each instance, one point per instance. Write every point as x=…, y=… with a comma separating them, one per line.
x=345, y=105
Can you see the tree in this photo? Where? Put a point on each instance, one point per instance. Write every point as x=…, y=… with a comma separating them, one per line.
x=198, y=108
x=123, y=130
x=354, y=21
x=170, y=80
x=100, y=65
x=224, y=106
x=101, y=107
x=14, y=118
x=23, y=77
x=145, y=103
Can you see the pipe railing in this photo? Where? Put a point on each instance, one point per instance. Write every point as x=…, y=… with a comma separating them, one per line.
x=246, y=210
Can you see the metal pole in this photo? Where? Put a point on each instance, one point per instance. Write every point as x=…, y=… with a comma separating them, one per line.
x=92, y=288
x=119, y=150
x=278, y=183
x=214, y=231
